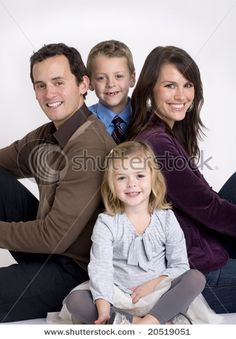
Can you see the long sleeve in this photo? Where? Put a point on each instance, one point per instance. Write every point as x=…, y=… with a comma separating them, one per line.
x=15, y=157
x=176, y=252
x=188, y=190
x=69, y=203
x=202, y=214
x=100, y=268
x=119, y=256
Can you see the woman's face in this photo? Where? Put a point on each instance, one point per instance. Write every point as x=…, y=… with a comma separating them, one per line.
x=173, y=95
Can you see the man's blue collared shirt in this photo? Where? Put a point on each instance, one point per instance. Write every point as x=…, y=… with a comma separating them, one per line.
x=106, y=115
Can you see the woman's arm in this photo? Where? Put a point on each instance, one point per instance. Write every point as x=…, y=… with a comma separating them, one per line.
x=188, y=190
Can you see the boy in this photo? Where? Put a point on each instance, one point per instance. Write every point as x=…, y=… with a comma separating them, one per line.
x=111, y=70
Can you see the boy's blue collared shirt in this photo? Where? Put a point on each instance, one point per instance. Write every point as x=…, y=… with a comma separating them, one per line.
x=106, y=115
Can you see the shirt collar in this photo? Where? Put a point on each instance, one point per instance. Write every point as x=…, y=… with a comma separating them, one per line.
x=64, y=132
x=106, y=115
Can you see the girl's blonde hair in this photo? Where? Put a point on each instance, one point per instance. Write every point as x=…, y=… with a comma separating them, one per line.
x=134, y=149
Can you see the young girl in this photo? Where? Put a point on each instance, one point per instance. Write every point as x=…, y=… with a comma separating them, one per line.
x=137, y=244
x=166, y=106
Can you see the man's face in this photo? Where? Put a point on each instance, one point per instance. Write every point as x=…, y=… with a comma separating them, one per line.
x=56, y=89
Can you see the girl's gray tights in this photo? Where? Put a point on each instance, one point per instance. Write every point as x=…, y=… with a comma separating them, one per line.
x=177, y=299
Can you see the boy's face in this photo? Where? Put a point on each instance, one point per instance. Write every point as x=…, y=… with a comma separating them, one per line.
x=111, y=80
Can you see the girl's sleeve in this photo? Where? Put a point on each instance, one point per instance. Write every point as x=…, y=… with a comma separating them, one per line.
x=100, y=268
x=176, y=252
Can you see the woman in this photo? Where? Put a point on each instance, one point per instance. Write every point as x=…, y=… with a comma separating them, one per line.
x=166, y=107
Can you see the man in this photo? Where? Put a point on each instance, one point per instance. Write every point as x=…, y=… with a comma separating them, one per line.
x=50, y=239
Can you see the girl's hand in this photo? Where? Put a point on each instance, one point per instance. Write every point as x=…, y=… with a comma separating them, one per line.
x=102, y=318
x=103, y=308
x=145, y=288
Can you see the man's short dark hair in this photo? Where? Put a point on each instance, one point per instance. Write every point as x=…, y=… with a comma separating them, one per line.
x=77, y=66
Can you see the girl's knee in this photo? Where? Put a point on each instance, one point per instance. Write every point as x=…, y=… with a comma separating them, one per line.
x=197, y=279
x=72, y=301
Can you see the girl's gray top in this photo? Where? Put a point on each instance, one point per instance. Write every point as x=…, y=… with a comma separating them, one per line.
x=122, y=257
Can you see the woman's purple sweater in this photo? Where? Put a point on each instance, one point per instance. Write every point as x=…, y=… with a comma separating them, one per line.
x=202, y=214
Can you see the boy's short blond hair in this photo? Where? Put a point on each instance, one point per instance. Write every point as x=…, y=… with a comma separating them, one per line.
x=110, y=49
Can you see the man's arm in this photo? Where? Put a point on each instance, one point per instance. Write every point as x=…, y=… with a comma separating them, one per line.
x=70, y=204
x=15, y=157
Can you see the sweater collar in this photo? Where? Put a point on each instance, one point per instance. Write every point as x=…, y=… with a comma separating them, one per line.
x=62, y=135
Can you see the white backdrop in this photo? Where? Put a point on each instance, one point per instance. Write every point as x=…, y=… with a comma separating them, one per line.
x=205, y=28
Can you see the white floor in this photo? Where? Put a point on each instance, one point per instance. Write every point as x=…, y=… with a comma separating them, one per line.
x=6, y=259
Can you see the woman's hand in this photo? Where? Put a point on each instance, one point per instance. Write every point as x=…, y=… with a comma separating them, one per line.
x=145, y=288
x=103, y=308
